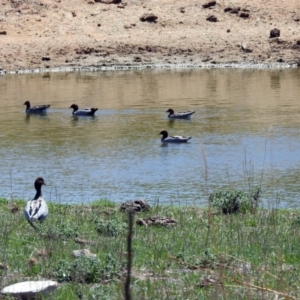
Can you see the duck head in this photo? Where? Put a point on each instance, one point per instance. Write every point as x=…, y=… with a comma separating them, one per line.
x=171, y=111
x=27, y=103
x=39, y=182
x=164, y=134
x=38, y=186
x=75, y=107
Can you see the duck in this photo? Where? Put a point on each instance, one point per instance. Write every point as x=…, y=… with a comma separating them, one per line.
x=36, y=209
x=173, y=139
x=83, y=112
x=179, y=115
x=37, y=109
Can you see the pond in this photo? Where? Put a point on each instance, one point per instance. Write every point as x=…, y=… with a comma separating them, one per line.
x=245, y=133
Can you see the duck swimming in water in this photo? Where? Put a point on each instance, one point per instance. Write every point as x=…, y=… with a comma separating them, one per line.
x=179, y=115
x=173, y=139
x=37, y=109
x=36, y=209
x=83, y=112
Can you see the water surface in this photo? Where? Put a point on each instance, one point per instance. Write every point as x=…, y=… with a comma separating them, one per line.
x=245, y=132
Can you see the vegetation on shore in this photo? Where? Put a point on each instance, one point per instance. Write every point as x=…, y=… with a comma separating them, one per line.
x=205, y=255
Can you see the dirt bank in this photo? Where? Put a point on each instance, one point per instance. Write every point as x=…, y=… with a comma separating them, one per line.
x=82, y=33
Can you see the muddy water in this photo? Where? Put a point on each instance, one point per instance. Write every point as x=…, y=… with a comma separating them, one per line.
x=245, y=133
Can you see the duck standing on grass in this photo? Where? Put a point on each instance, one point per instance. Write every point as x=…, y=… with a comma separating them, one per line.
x=36, y=209
x=37, y=109
x=173, y=139
x=179, y=115
x=83, y=112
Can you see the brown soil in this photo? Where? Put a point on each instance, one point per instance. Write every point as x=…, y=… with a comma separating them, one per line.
x=82, y=33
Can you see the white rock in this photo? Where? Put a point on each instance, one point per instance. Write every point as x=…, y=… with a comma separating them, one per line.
x=83, y=252
x=29, y=289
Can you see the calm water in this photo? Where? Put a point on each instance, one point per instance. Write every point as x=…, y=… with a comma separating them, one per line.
x=245, y=132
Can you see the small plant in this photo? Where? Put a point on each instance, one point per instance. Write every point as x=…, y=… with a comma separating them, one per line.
x=62, y=271
x=231, y=201
x=296, y=222
x=102, y=292
x=206, y=260
x=62, y=231
x=110, y=227
x=86, y=270
x=109, y=267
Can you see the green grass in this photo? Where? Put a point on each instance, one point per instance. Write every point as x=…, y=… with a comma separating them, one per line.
x=241, y=256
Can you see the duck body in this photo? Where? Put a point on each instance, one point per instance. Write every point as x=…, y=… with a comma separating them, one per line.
x=179, y=115
x=37, y=109
x=83, y=112
x=36, y=209
x=173, y=139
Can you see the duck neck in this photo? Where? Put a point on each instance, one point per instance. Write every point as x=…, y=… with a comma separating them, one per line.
x=27, y=106
x=165, y=135
x=171, y=112
x=38, y=192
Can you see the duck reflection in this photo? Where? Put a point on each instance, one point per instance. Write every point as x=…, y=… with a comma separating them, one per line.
x=29, y=116
x=163, y=145
x=171, y=123
x=75, y=120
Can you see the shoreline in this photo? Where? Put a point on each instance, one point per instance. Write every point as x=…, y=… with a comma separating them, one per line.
x=126, y=67
x=20, y=204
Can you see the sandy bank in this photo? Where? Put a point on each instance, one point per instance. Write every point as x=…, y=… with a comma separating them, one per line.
x=38, y=35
